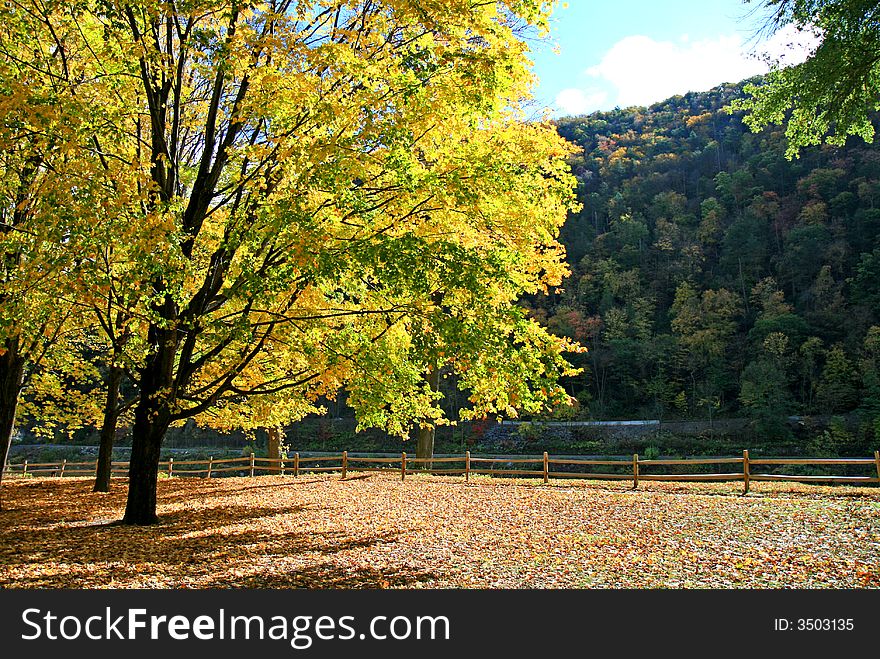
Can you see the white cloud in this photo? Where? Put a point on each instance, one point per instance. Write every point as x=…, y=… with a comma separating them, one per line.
x=639, y=70
x=642, y=70
x=573, y=101
x=788, y=46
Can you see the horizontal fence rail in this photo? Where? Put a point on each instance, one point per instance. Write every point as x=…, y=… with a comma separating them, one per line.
x=628, y=469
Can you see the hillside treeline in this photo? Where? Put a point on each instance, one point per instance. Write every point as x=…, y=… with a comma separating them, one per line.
x=714, y=277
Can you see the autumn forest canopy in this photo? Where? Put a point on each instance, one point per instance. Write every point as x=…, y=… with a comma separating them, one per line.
x=233, y=211
x=714, y=276
x=727, y=255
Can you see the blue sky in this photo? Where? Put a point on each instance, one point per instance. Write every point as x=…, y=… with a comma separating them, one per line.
x=636, y=52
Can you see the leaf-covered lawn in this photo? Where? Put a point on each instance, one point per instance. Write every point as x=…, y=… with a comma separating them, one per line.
x=434, y=532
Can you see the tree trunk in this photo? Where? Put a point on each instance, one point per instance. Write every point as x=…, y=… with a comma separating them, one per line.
x=108, y=430
x=143, y=472
x=151, y=420
x=425, y=446
x=274, y=449
x=425, y=442
x=11, y=373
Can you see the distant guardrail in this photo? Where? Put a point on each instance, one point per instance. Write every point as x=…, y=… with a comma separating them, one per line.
x=595, y=424
x=635, y=468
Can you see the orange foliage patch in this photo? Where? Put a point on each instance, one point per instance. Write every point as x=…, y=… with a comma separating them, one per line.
x=437, y=532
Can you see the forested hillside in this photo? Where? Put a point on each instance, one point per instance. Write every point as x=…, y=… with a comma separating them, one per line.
x=713, y=277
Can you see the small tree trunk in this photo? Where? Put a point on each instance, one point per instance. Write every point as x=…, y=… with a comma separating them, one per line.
x=425, y=442
x=108, y=430
x=11, y=374
x=425, y=446
x=274, y=449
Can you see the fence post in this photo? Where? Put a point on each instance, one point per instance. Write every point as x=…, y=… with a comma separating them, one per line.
x=63, y=465
x=281, y=464
x=24, y=471
x=746, y=472
x=344, y=463
x=467, y=465
x=96, y=468
x=252, y=464
x=296, y=465
x=877, y=462
x=403, y=466
x=170, y=467
x=635, y=471
x=546, y=467
x=210, y=465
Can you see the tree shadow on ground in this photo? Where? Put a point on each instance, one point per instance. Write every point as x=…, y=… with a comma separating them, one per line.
x=332, y=576
x=221, y=546
x=169, y=497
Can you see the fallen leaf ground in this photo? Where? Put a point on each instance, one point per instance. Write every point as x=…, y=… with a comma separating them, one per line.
x=440, y=532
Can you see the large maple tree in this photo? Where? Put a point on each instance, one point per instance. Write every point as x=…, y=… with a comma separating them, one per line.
x=303, y=196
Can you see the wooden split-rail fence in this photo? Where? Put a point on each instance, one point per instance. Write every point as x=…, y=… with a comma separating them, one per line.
x=628, y=469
